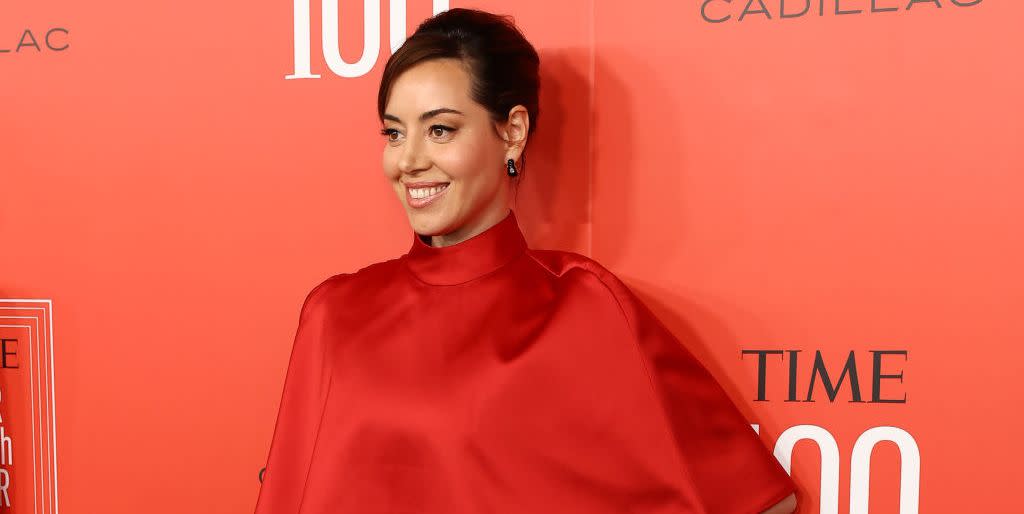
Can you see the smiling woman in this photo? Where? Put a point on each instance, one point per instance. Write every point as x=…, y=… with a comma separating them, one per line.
x=445, y=163
x=474, y=374
x=458, y=102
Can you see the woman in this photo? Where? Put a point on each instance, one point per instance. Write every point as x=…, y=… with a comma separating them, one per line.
x=476, y=375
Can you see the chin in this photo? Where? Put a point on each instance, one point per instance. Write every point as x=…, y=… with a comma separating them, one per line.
x=428, y=223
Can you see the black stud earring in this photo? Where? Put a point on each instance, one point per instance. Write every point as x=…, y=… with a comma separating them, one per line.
x=512, y=168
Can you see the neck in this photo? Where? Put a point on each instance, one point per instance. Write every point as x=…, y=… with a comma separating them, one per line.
x=481, y=223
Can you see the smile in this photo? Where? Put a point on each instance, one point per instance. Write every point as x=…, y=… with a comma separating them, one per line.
x=422, y=196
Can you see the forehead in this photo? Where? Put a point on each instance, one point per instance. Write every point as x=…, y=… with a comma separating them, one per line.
x=428, y=85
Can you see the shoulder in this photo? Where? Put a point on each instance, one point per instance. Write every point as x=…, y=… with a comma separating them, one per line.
x=364, y=279
x=578, y=269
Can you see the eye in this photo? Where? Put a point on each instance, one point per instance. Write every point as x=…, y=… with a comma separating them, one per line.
x=387, y=133
x=445, y=132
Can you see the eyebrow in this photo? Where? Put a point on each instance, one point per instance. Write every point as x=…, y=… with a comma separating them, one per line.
x=427, y=115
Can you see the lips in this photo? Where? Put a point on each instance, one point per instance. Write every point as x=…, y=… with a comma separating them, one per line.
x=426, y=193
x=423, y=184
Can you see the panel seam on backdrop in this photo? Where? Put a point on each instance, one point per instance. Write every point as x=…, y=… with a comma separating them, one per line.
x=590, y=137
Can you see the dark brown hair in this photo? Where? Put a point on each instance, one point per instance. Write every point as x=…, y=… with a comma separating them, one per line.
x=503, y=66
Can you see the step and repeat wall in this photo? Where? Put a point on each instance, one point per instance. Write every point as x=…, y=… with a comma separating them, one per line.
x=821, y=198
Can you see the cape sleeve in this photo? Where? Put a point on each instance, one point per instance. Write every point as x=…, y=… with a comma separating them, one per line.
x=728, y=468
x=298, y=420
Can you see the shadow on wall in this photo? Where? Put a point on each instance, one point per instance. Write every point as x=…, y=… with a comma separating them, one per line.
x=633, y=133
x=553, y=200
x=667, y=306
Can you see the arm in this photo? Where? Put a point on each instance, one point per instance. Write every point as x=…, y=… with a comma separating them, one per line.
x=302, y=400
x=727, y=467
x=786, y=506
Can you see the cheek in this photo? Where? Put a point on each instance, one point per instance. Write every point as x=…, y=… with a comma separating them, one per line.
x=390, y=166
x=470, y=160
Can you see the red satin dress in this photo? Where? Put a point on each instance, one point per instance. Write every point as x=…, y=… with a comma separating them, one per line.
x=487, y=377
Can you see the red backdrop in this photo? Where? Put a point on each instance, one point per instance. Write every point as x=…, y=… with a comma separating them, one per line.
x=808, y=187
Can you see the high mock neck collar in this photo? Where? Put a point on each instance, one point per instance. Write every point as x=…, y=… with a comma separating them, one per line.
x=468, y=259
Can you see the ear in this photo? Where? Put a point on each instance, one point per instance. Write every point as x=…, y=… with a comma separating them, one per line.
x=515, y=131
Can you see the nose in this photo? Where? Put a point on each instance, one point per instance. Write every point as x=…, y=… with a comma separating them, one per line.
x=414, y=156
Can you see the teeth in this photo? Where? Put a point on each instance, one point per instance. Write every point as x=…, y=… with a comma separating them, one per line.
x=424, y=192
